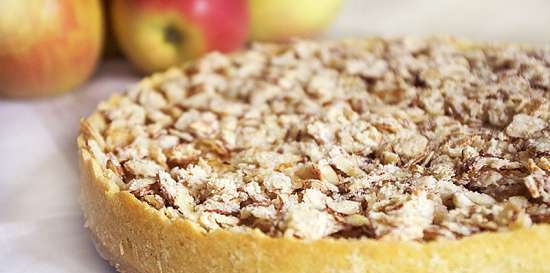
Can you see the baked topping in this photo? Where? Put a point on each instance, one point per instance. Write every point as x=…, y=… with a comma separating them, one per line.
x=409, y=139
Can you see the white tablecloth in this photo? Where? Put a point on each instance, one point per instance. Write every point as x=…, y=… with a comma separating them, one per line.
x=41, y=227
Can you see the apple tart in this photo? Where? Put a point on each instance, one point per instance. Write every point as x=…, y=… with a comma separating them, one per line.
x=367, y=155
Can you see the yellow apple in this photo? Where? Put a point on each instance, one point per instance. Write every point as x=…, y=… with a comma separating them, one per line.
x=48, y=46
x=279, y=20
x=156, y=34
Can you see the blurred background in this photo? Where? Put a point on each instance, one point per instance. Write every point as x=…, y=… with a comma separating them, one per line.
x=49, y=47
x=526, y=21
x=41, y=227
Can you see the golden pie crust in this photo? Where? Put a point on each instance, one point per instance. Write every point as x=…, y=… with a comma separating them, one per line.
x=136, y=238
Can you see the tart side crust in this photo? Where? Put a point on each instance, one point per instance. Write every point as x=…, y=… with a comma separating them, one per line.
x=137, y=238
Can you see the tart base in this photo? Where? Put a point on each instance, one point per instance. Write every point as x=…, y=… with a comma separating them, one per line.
x=136, y=238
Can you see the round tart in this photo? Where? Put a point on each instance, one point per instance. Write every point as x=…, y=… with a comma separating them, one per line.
x=372, y=155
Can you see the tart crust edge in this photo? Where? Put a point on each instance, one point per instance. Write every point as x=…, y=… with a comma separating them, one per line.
x=137, y=238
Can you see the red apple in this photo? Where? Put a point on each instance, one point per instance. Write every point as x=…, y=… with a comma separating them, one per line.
x=47, y=46
x=156, y=34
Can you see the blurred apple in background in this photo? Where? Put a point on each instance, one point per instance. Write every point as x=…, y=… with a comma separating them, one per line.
x=279, y=20
x=156, y=34
x=48, y=46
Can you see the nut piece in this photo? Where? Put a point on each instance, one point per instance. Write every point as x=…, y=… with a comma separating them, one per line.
x=460, y=200
x=315, y=198
x=176, y=194
x=142, y=167
x=261, y=212
x=140, y=185
x=538, y=185
x=309, y=223
x=346, y=207
x=525, y=126
x=345, y=162
x=409, y=144
x=408, y=222
x=278, y=182
x=327, y=173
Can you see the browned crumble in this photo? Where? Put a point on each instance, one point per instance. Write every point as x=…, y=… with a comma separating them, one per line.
x=410, y=139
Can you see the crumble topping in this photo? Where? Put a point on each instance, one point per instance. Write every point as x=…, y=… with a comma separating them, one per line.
x=408, y=139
